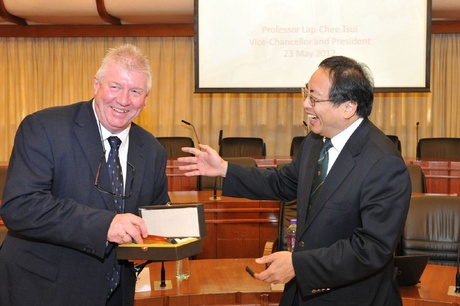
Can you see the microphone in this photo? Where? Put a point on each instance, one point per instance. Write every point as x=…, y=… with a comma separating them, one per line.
x=193, y=127
x=214, y=197
x=416, y=136
x=306, y=126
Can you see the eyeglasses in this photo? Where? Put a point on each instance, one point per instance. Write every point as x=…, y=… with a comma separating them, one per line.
x=306, y=94
x=103, y=190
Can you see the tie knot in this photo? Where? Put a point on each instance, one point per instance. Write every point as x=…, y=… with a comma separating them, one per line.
x=327, y=144
x=114, y=142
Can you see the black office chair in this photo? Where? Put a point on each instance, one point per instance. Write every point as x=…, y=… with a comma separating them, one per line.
x=438, y=148
x=242, y=147
x=417, y=178
x=288, y=211
x=295, y=145
x=211, y=183
x=173, y=145
x=396, y=141
x=433, y=228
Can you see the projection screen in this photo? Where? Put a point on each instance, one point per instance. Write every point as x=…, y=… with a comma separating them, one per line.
x=275, y=45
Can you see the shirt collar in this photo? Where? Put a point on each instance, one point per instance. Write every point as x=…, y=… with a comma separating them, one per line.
x=339, y=140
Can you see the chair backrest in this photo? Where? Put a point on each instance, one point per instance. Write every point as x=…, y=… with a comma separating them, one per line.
x=209, y=183
x=433, y=228
x=417, y=178
x=242, y=147
x=288, y=211
x=438, y=148
x=3, y=171
x=295, y=145
x=173, y=145
x=396, y=141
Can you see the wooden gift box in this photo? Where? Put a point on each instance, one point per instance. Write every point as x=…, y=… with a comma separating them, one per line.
x=182, y=223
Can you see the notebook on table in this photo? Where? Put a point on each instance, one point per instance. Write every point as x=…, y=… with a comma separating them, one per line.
x=409, y=268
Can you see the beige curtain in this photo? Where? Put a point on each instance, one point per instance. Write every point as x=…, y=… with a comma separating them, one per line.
x=43, y=72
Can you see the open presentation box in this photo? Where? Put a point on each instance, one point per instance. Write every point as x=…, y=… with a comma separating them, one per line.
x=184, y=223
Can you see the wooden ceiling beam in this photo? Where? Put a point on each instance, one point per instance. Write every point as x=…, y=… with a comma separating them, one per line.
x=127, y=30
x=104, y=14
x=9, y=17
x=146, y=30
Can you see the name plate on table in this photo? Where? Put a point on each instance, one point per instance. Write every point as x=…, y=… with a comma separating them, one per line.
x=175, y=232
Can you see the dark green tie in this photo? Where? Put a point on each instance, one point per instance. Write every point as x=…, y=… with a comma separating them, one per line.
x=321, y=169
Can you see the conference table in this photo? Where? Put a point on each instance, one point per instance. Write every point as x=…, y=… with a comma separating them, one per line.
x=211, y=282
x=433, y=288
x=441, y=176
x=225, y=282
x=235, y=227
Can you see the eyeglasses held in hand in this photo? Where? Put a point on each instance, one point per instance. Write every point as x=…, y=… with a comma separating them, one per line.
x=103, y=190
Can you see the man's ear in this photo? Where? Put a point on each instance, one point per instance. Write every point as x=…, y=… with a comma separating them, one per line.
x=95, y=85
x=350, y=109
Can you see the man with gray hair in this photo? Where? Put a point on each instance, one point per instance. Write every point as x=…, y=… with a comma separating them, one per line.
x=76, y=178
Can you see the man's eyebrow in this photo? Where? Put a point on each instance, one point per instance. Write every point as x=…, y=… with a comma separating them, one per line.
x=310, y=90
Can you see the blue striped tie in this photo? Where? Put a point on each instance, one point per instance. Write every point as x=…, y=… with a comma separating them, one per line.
x=116, y=179
x=115, y=174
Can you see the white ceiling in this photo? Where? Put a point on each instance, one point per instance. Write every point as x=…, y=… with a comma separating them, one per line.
x=58, y=12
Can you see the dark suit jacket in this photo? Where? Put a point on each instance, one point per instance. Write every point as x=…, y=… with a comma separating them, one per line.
x=56, y=252
x=345, y=242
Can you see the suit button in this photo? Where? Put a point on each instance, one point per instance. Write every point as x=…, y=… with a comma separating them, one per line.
x=301, y=244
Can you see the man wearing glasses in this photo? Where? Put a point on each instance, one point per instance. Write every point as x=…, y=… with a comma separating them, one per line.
x=70, y=197
x=352, y=188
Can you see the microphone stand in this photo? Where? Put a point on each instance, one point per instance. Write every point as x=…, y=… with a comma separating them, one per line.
x=162, y=284
x=194, y=130
x=457, y=276
x=416, y=136
x=163, y=275
x=215, y=197
x=455, y=290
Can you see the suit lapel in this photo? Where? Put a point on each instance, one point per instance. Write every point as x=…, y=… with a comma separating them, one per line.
x=136, y=156
x=339, y=171
x=342, y=167
x=89, y=139
x=309, y=175
x=87, y=133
